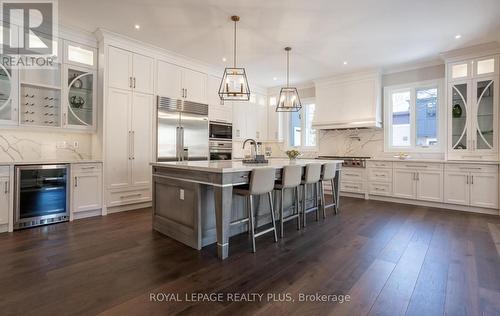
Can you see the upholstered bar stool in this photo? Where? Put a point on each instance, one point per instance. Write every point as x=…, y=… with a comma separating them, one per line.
x=291, y=178
x=328, y=174
x=261, y=182
x=312, y=175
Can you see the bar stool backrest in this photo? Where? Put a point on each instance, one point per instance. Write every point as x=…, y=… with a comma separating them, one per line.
x=262, y=180
x=313, y=173
x=291, y=177
x=329, y=170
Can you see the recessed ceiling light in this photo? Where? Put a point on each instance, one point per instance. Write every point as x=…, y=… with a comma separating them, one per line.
x=345, y=62
x=137, y=26
x=274, y=78
x=224, y=59
x=458, y=36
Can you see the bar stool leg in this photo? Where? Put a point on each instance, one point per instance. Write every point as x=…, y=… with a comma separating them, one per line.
x=252, y=224
x=304, y=205
x=316, y=203
x=249, y=225
x=272, y=216
x=297, y=206
x=322, y=197
x=334, y=196
x=282, y=192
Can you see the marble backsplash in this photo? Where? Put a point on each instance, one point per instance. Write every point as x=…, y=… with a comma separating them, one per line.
x=30, y=146
x=369, y=142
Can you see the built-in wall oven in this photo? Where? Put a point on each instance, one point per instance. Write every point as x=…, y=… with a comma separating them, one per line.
x=220, y=141
x=220, y=131
x=41, y=195
x=221, y=149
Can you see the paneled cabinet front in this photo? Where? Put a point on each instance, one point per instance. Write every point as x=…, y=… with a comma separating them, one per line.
x=4, y=200
x=87, y=187
x=420, y=181
x=218, y=110
x=129, y=137
x=181, y=83
x=130, y=71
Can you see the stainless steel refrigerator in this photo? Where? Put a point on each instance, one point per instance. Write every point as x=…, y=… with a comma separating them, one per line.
x=182, y=131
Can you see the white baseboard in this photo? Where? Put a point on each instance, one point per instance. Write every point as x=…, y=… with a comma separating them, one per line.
x=455, y=207
x=86, y=214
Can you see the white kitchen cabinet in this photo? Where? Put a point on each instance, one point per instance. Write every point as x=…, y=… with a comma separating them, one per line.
x=274, y=124
x=239, y=120
x=79, y=55
x=250, y=119
x=484, y=190
x=430, y=185
x=472, y=185
x=141, y=127
x=87, y=187
x=181, y=83
x=261, y=133
x=4, y=200
x=128, y=147
x=420, y=181
x=349, y=101
x=218, y=111
x=80, y=98
x=404, y=184
x=130, y=71
x=456, y=186
x=473, y=108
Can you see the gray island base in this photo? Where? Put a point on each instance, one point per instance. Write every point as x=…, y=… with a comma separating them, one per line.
x=193, y=201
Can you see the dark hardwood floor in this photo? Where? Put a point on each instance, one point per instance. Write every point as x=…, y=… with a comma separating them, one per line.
x=391, y=259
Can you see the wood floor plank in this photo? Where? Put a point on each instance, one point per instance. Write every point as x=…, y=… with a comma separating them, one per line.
x=371, y=251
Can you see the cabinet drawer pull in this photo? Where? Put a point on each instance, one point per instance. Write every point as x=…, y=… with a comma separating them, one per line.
x=130, y=196
x=88, y=168
x=351, y=187
x=471, y=168
x=413, y=166
x=351, y=174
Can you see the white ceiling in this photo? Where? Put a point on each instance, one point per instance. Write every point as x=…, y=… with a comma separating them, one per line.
x=322, y=33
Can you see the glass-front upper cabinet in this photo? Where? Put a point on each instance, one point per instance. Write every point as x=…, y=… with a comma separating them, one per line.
x=485, y=66
x=459, y=96
x=80, y=110
x=485, y=98
x=8, y=95
x=80, y=55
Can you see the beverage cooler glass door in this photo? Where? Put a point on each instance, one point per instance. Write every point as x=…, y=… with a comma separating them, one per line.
x=42, y=194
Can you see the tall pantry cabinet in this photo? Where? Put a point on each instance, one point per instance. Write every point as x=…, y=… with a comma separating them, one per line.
x=128, y=125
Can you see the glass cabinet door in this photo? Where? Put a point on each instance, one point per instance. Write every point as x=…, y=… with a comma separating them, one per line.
x=485, y=121
x=80, y=103
x=8, y=103
x=459, y=115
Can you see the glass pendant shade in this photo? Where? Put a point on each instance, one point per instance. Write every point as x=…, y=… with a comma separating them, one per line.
x=234, y=85
x=289, y=100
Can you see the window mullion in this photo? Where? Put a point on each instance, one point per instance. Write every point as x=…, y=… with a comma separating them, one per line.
x=413, y=118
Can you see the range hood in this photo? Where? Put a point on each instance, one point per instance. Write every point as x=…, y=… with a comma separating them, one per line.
x=351, y=101
x=361, y=124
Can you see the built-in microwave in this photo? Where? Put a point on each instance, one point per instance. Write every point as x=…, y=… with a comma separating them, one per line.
x=220, y=131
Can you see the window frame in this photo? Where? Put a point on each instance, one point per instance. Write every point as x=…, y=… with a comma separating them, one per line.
x=302, y=148
x=441, y=114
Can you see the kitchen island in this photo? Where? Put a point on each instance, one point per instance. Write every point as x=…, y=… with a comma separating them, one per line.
x=193, y=201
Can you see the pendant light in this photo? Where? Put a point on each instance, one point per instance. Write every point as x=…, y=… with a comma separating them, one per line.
x=289, y=100
x=234, y=84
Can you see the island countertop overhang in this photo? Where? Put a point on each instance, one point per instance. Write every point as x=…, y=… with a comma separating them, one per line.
x=230, y=166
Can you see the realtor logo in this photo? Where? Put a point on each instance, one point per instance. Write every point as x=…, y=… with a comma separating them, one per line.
x=29, y=32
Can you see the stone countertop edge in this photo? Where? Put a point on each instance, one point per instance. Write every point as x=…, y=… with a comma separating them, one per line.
x=423, y=160
x=49, y=162
x=229, y=166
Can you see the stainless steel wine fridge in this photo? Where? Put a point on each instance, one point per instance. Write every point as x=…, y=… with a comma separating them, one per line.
x=41, y=195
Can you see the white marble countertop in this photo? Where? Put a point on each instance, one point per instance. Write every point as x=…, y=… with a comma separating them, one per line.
x=49, y=162
x=435, y=161
x=227, y=166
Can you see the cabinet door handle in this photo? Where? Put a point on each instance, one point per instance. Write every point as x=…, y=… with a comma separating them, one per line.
x=6, y=187
x=132, y=144
x=134, y=82
x=76, y=182
x=129, y=145
x=130, y=82
x=467, y=179
x=472, y=179
x=186, y=93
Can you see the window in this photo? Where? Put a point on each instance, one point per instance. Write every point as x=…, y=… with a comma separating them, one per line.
x=412, y=120
x=300, y=132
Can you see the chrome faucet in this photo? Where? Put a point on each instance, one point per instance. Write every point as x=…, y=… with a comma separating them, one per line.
x=254, y=143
